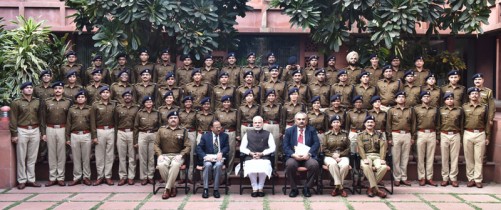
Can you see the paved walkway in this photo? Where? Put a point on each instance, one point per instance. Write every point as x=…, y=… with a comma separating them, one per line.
x=141, y=197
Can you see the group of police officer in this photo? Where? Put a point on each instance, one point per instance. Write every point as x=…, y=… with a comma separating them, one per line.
x=125, y=107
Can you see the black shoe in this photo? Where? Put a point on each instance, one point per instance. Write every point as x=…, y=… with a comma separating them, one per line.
x=306, y=192
x=254, y=194
x=216, y=194
x=260, y=194
x=205, y=194
x=293, y=193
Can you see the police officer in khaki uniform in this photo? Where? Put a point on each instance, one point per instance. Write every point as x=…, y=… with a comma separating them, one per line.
x=25, y=116
x=336, y=148
x=398, y=72
x=233, y=70
x=271, y=114
x=372, y=150
x=292, y=107
x=455, y=88
x=197, y=89
x=184, y=74
x=336, y=109
x=331, y=70
x=321, y=88
x=146, y=124
x=118, y=88
x=378, y=114
x=318, y=119
x=450, y=125
x=303, y=90
x=97, y=63
x=374, y=69
x=163, y=68
x=435, y=92
x=171, y=147
x=227, y=116
x=486, y=96
x=54, y=118
x=273, y=82
x=292, y=66
x=251, y=66
x=355, y=121
x=121, y=59
x=352, y=70
x=343, y=88
x=170, y=84
x=204, y=118
x=72, y=65
x=365, y=89
x=71, y=88
x=426, y=117
x=167, y=107
x=145, y=87
x=209, y=72
x=144, y=56
x=420, y=72
x=93, y=88
x=248, y=84
x=246, y=111
x=223, y=89
x=400, y=130
x=387, y=88
x=411, y=89
x=309, y=72
x=44, y=90
x=125, y=115
x=79, y=137
x=271, y=63
x=476, y=136
x=187, y=120
x=103, y=135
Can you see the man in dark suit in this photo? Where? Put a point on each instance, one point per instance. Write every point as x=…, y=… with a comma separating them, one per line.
x=301, y=133
x=212, y=151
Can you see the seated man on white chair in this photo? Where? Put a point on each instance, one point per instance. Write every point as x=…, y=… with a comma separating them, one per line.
x=257, y=144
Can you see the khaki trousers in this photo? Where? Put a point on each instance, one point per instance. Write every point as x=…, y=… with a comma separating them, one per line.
x=274, y=129
x=81, y=147
x=56, y=143
x=474, y=149
x=126, y=153
x=105, y=152
x=374, y=161
x=169, y=169
x=26, y=154
x=146, y=155
x=338, y=170
x=449, y=148
x=231, y=157
x=192, y=137
x=400, y=150
x=426, y=143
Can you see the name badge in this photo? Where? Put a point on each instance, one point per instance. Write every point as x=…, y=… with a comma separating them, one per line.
x=402, y=132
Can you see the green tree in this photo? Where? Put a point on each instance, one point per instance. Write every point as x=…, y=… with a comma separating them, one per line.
x=387, y=22
x=196, y=27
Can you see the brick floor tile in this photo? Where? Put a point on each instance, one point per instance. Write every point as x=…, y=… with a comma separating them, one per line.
x=286, y=198
x=158, y=198
x=50, y=197
x=286, y=205
x=34, y=205
x=204, y=205
x=161, y=205
x=119, y=205
x=327, y=198
x=245, y=198
x=256, y=205
x=439, y=198
x=364, y=197
x=13, y=197
x=198, y=198
x=479, y=198
x=76, y=205
x=328, y=205
x=90, y=197
x=403, y=197
x=369, y=205
x=488, y=206
x=5, y=204
x=128, y=197
x=410, y=205
x=452, y=206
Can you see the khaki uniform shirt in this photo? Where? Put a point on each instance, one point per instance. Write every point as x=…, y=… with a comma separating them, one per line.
x=400, y=119
x=256, y=70
x=145, y=121
x=210, y=76
x=141, y=90
x=125, y=116
x=93, y=92
x=304, y=92
x=54, y=112
x=475, y=118
x=240, y=99
x=355, y=120
x=426, y=118
x=266, y=76
x=177, y=93
x=164, y=111
x=272, y=114
x=172, y=141
x=435, y=97
x=70, y=92
x=331, y=75
x=319, y=121
x=371, y=143
x=375, y=74
x=88, y=75
x=234, y=72
x=341, y=113
x=310, y=74
x=183, y=75
x=228, y=118
x=459, y=94
x=387, y=90
x=101, y=115
x=380, y=119
x=65, y=68
x=278, y=86
x=136, y=73
x=419, y=77
x=42, y=92
x=336, y=141
x=204, y=120
x=188, y=119
x=245, y=115
x=487, y=98
x=345, y=91
x=323, y=90
x=198, y=91
x=353, y=74
x=289, y=110
x=24, y=113
x=160, y=72
x=218, y=92
x=78, y=119
x=115, y=71
x=366, y=94
x=117, y=89
x=412, y=97
x=451, y=119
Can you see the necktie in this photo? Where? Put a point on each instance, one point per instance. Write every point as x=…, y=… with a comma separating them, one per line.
x=300, y=138
x=216, y=147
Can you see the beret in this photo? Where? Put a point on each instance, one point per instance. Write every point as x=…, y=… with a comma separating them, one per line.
x=369, y=117
x=223, y=73
x=44, y=72
x=127, y=91
x=424, y=93
x=313, y=57
x=292, y=60
x=335, y=97
x=293, y=90
x=226, y=98
x=478, y=75
x=169, y=75
x=247, y=92
x=231, y=54
x=270, y=91
x=145, y=71
x=26, y=84
x=341, y=73
x=315, y=98
x=195, y=70
x=57, y=83
x=334, y=118
x=187, y=98
x=80, y=93
x=409, y=72
x=472, y=89
x=374, y=99
x=146, y=98
x=205, y=100
x=430, y=76
x=97, y=57
x=71, y=52
x=448, y=95
x=173, y=114
x=121, y=55
x=104, y=88
x=71, y=73
x=251, y=54
x=356, y=98
x=319, y=71
x=453, y=72
x=400, y=93
x=97, y=71
x=168, y=93
x=332, y=57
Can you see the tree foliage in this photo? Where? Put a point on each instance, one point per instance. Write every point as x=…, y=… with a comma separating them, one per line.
x=386, y=21
x=198, y=26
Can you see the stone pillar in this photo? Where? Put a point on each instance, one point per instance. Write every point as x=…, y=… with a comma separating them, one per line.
x=7, y=152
